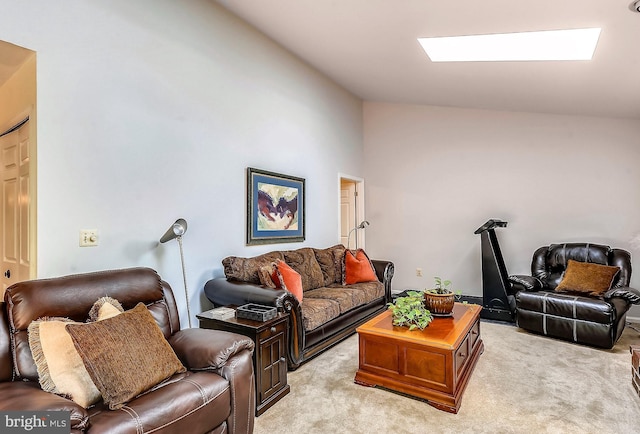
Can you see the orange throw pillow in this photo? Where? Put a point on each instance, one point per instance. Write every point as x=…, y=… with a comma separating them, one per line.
x=358, y=268
x=287, y=278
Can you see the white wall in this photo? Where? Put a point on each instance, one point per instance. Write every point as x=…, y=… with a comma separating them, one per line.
x=434, y=175
x=152, y=110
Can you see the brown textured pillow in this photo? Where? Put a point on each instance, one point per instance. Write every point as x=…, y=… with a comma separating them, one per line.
x=125, y=355
x=587, y=278
x=60, y=368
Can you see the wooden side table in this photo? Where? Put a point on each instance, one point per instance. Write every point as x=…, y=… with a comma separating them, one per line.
x=269, y=356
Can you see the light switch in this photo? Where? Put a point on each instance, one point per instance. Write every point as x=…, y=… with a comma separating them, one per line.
x=88, y=237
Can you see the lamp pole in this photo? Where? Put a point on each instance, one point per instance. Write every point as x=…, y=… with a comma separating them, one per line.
x=177, y=230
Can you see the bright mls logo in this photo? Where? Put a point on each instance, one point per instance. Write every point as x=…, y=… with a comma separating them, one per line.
x=49, y=422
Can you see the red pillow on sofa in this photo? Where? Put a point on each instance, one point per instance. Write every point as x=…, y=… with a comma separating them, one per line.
x=287, y=278
x=358, y=268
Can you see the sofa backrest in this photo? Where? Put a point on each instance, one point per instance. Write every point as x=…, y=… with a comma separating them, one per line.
x=305, y=263
x=550, y=262
x=331, y=261
x=73, y=296
x=248, y=269
x=317, y=267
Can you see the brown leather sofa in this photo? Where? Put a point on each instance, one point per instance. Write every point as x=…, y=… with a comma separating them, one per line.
x=595, y=321
x=214, y=395
x=311, y=328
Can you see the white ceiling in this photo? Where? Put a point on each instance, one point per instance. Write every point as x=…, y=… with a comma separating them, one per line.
x=370, y=48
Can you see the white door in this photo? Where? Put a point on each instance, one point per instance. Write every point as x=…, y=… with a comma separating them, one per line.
x=15, y=206
x=348, y=214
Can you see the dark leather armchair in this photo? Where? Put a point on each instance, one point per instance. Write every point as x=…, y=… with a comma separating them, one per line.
x=214, y=395
x=595, y=321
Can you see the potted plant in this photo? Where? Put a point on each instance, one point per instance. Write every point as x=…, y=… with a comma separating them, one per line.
x=440, y=300
x=409, y=311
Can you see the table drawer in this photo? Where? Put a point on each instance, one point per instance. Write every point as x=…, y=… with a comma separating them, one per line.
x=464, y=351
x=272, y=331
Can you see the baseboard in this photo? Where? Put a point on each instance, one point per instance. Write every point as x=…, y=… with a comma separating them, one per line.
x=633, y=319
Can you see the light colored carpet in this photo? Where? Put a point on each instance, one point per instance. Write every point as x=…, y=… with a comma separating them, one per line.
x=523, y=383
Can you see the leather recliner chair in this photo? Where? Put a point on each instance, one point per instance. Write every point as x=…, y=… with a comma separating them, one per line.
x=595, y=321
x=214, y=395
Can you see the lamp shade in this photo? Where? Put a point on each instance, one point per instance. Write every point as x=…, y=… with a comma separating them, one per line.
x=176, y=230
x=363, y=224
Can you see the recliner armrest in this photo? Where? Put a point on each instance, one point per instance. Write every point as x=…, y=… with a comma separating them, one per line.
x=228, y=355
x=631, y=295
x=525, y=283
x=203, y=349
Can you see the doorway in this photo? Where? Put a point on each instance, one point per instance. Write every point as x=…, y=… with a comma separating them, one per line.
x=18, y=172
x=351, y=211
x=15, y=207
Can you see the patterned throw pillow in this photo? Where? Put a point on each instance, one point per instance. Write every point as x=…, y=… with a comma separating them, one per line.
x=125, y=355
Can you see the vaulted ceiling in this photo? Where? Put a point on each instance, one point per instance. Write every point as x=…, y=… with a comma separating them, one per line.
x=370, y=48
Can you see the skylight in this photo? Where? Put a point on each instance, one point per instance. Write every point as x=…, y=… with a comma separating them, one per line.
x=575, y=44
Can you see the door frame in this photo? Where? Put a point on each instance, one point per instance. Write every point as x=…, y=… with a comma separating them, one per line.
x=360, y=204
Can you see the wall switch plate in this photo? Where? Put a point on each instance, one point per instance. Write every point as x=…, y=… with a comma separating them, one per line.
x=419, y=272
x=88, y=237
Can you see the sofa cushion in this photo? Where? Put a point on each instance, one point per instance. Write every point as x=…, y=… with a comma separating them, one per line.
x=564, y=305
x=304, y=262
x=331, y=262
x=60, y=368
x=248, y=269
x=371, y=290
x=317, y=311
x=125, y=355
x=337, y=295
x=347, y=298
x=22, y=395
x=287, y=278
x=587, y=278
x=190, y=402
x=358, y=268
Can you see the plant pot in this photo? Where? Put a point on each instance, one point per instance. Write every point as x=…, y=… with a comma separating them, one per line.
x=439, y=304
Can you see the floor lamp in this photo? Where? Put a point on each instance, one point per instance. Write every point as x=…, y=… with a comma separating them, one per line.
x=176, y=231
x=363, y=224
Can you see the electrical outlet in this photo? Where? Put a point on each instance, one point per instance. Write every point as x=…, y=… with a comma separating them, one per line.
x=88, y=237
x=419, y=272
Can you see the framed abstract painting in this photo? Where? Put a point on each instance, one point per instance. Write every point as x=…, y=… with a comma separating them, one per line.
x=275, y=208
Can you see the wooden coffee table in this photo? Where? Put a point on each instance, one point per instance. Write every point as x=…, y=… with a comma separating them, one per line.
x=434, y=364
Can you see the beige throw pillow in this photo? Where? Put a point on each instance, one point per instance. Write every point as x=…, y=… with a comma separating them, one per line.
x=125, y=355
x=60, y=368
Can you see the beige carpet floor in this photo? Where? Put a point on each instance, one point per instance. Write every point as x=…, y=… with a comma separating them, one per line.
x=523, y=383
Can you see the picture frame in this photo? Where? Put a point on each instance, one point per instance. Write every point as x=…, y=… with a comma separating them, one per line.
x=275, y=207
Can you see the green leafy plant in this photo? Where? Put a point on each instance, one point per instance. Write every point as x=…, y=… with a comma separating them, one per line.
x=443, y=287
x=409, y=311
